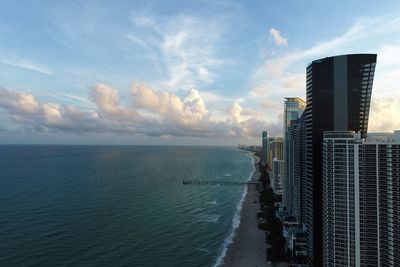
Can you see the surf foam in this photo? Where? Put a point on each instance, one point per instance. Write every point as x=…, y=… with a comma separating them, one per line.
x=235, y=221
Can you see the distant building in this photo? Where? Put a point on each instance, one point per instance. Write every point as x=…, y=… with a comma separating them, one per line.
x=270, y=156
x=277, y=147
x=276, y=176
x=272, y=147
x=361, y=198
x=384, y=137
x=293, y=109
x=277, y=170
x=265, y=148
x=338, y=95
x=252, y=148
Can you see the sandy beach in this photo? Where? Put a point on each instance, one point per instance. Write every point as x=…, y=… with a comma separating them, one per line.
x=248, y=247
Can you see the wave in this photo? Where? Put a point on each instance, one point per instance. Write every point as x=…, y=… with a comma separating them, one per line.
x=212, y=202
x=210, y=218
x=235, y=221
x=202, y=250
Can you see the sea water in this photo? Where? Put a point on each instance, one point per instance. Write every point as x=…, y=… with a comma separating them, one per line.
x=118, y=205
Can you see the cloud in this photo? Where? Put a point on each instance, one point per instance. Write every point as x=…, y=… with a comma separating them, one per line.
x=235, y=112
x=34, y=115
x=25, y=109
x=345, y=43
x=76, y=98
x=185, y=48
x=297, y=81
x=271, y=105
x=187, y=111
x=24, y=64
x=189, y=52
x=251, y=112
x=51, y=113
x=263, y=88
x=206, y=75
x=18, y=103
x=143, y=21
x=387, y=73
x=384, y=115
x=108, y=106
x=136, y=40
x=278, y=39
x=246, y=122
x=149, y=112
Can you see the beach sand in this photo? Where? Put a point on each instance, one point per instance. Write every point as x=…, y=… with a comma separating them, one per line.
x=249, y=246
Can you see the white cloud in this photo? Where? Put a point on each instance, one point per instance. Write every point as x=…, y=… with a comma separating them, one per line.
x=156, y=101
x=51, y=113
x=278, y=39
x=387, y=73
x=77, y=98
x=107, y=102
x=24, y=64
x=183, y=45
x=17, y=102
x=151, y=113
x=235, y=112
x=136, y=40
x=205, y=75
x=384, y=115
x=187, y=112
x=25, y=109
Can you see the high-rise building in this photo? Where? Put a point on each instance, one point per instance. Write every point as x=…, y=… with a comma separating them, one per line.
x=338, y=99
x=276, y=177
x=277, y=147
x=302, y=182
x=265, y=148
x=272, y=147
x=361, y=197
x=270, y=155
x=293, y=109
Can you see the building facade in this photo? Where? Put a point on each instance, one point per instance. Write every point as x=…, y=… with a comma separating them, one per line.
x=272, y=157
x=276, y=177
x=338, y=99
x=277, y=147
x=265, y=148
x=277, y=166
x=293, y=109
x=361, y=197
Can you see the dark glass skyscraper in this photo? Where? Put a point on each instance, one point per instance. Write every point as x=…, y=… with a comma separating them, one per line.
x=338, y=99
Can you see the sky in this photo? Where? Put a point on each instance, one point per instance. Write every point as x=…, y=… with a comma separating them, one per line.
x=179, y=72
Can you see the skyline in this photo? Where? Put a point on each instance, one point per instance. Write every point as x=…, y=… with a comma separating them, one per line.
x=174, y=73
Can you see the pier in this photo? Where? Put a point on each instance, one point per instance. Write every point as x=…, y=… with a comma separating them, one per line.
x=213, y=182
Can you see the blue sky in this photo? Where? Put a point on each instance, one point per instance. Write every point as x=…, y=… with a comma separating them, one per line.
x=179, y=72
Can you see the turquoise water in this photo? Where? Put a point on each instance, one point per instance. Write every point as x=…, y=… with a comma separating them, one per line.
x=117, y=206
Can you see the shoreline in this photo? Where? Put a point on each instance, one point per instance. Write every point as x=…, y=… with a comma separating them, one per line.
x=248, y=247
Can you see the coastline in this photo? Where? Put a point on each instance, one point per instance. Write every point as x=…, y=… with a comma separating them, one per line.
x=248, y=247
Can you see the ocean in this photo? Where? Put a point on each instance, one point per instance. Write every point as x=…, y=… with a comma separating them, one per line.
x=118, y=205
